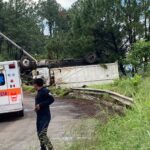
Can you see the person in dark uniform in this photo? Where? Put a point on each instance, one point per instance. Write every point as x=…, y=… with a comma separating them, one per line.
x=42, y=102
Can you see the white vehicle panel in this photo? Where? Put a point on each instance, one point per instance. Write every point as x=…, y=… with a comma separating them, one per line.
x=11, y=95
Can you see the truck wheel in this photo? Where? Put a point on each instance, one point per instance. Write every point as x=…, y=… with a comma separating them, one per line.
x=91, y=58
x=21, y=113
x=26, y=63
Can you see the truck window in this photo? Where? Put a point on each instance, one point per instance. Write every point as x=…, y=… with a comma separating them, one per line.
x=2, y=79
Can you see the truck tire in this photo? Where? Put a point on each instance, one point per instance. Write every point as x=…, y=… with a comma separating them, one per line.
x=91, y=58
x=27, y=63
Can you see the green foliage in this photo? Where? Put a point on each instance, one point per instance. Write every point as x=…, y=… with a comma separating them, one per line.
x=108, y=28
x=79, y=46
x=49, y=11
x=60, y=92
x=29, y=89
x=3, y=57
x=136, y=80
x=54, y=47
x=125, y=86
x=147, y=73
x=19, y=21
x=139, y=54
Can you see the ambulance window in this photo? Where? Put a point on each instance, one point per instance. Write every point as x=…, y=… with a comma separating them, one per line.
x=2, y=79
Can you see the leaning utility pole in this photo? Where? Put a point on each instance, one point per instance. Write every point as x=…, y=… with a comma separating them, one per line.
x=18, y=47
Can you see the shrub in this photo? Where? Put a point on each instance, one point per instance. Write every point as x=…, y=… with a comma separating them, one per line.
x=29, y=89
x=125, y=86
x=139, y=55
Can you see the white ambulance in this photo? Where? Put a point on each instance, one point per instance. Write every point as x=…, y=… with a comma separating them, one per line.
x=11, y=95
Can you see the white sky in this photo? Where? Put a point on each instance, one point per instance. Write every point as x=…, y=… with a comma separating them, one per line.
x=65, y=3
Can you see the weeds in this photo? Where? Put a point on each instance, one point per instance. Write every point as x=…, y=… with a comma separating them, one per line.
x=28, y=89
x=60, y=92
x=125, y=86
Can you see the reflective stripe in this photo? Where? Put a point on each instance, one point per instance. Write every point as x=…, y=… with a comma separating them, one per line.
x=10, y=92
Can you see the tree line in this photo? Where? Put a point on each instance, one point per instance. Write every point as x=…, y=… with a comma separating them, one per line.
x=107, y=29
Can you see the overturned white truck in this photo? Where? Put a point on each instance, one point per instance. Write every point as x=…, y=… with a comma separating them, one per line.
x=78, y=76
x=66, y=73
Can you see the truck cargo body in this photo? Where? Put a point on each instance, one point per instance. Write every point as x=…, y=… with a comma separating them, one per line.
x=79, y=76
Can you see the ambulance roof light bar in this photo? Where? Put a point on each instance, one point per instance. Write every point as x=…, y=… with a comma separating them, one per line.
x=12, y=66
x=16, y=45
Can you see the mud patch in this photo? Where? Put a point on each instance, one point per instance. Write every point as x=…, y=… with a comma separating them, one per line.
x=88, y=109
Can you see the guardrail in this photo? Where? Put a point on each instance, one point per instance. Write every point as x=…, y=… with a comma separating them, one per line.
x=124, y=100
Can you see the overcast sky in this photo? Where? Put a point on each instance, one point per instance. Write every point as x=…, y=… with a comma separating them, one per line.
x=65, y=3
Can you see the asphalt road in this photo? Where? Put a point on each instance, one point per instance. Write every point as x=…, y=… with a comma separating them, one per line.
x=20, y=133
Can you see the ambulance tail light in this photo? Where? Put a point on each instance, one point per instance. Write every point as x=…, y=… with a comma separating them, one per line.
x=12, y=66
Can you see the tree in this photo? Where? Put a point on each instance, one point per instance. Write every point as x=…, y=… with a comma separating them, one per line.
x=20, y=23
x=49, y=11
x=113, y=25
x=145, y=4
x=139, y=55
x=55, y=48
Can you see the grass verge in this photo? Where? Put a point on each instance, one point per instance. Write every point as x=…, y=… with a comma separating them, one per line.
x=28, y=89
x=125, y=86
x=58, y=92
x=131, y=132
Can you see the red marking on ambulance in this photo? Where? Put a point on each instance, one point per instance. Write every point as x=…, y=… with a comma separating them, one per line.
x=4, y=93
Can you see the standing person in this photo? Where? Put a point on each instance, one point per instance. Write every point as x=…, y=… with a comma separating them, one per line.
x=42, y=102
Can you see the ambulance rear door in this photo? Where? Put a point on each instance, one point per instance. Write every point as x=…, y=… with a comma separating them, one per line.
x=14, y=83
x=4, y=99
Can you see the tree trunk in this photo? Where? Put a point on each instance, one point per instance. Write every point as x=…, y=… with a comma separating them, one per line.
x=145, y=26
x=149, y=30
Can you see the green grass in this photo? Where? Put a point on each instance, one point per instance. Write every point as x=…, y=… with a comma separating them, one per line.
x=60, y=92
x=131, y=132
x=29, y=89
x=125, y=86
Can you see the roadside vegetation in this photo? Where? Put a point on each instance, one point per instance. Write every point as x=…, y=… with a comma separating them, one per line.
x=123, y=133
x=28, y=89
x=125, y=86
x=57, y=92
